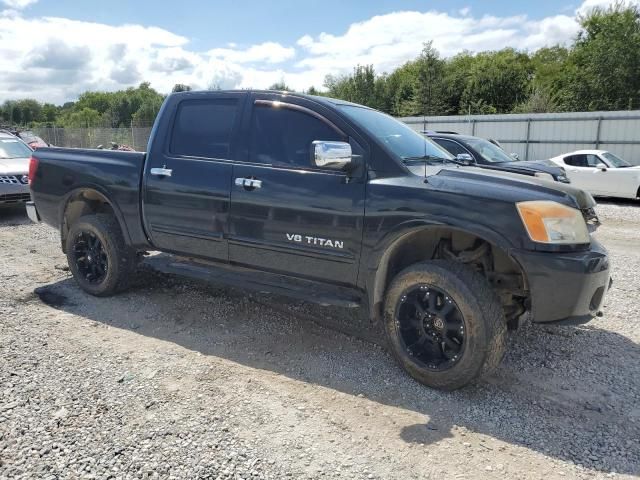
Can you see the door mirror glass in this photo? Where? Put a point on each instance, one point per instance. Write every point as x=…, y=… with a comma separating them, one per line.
x=465, y=158
x=333, y=155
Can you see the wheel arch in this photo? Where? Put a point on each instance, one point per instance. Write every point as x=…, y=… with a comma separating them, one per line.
x=421, y=243
x=90, y=199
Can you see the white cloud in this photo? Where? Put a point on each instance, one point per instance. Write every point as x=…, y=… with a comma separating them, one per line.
x=18, y=4
x=588, y=5
x=67, y=57
x=268, y=52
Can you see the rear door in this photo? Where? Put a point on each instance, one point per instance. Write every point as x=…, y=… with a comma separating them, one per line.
x=287, y=215
x=187, y=178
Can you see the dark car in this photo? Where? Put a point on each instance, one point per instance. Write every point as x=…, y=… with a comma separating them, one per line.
x=486, y=154
x=321, y=200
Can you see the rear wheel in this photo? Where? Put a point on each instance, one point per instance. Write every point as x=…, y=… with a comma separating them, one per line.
x=444, y=323
x=98, y=257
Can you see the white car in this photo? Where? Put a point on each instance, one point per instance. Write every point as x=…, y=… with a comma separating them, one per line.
x=601, y=173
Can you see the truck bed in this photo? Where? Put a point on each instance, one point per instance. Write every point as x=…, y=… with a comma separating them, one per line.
x=115, y=174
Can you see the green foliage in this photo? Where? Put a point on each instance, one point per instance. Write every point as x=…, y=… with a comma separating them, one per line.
x=180, y=87
x=281, y=86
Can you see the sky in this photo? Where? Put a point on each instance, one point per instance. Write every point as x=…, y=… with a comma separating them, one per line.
x=53, y=50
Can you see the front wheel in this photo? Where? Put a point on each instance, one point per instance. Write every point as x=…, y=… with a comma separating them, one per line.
x=445, y=325
x=98, y=256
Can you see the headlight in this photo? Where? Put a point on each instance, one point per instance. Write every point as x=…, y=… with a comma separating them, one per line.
x=552, y=222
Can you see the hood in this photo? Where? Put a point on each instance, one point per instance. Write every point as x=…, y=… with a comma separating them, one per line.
x=530, y=167
x=503, y=185
x=14, y=166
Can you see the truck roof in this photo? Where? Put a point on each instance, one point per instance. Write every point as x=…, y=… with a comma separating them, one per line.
x=315, y=98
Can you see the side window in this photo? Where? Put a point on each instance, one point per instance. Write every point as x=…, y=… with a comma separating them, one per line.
x=202, y=128
x=450, y=146
x=282, y=136
x=576, y=160
x=593, y=160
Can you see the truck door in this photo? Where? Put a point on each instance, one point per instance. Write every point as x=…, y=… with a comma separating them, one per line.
x=286, y=214
x=187, y=178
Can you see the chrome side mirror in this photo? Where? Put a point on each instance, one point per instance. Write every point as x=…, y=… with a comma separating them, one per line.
x=602, y=167
x=465, y=158
x=333, y=155
x=515, y=156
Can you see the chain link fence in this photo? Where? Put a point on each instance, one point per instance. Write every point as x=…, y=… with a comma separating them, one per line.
x=135, y=137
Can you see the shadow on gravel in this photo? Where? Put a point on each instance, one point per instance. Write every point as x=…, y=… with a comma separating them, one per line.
x=567, y=392
x=10, y=216
x=623, y=202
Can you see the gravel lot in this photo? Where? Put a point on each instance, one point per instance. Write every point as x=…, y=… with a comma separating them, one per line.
x=176, y=379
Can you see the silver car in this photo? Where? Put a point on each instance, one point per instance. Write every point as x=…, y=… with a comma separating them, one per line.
x=14, y=168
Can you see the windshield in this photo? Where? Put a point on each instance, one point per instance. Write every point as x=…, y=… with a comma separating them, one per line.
x=396, y=136
x=490, y=152
x=615, y=161
x=13, y=148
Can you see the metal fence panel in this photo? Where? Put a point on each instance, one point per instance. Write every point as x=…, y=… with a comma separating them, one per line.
x=546, y=135
x=136, y=137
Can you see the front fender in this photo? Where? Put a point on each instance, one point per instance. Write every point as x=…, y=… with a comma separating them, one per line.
x=378, y=259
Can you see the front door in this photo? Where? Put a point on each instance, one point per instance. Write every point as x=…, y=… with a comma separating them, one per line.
x=583, y=172
x=187, y=179
x=287, y=215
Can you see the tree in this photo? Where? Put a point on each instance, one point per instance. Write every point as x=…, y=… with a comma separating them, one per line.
x=497, y=82
x=281, y=86
x=429, y=90
x=605, y=60
x=180, y=87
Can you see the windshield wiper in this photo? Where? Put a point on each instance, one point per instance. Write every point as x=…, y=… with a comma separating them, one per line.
x=428, y=158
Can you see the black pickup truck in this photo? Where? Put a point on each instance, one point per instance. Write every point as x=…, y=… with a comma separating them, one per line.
x=327, y=201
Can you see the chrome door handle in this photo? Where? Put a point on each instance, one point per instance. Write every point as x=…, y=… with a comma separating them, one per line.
x=162, y=172
x=248, y=183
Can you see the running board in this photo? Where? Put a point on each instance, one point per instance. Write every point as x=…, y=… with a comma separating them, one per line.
x=258, y=281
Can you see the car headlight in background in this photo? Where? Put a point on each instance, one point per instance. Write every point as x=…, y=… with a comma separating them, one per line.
x=552, y=222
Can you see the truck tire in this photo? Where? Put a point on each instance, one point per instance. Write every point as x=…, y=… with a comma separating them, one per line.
x=445, y=325
x=98, y=256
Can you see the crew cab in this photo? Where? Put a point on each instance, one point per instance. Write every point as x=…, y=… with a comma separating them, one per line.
x=326, y=201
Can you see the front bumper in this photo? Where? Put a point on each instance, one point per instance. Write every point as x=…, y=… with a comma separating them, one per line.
x=566, y=287
x=32, y=212
x=13, y=194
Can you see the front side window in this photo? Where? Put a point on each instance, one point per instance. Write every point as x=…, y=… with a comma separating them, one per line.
x=203, y=128
x=13, y=148
x=593, y=160
x=283, y=136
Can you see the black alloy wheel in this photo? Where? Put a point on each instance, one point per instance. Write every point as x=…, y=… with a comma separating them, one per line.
x=431, y=327
x=90, y=257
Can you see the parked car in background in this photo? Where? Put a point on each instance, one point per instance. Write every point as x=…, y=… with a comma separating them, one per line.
x=489, y=155
x=14, y=167
x=31, y=139
x=601, y=173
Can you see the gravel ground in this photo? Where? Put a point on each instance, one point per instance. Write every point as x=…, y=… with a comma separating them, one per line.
x=176, y=379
